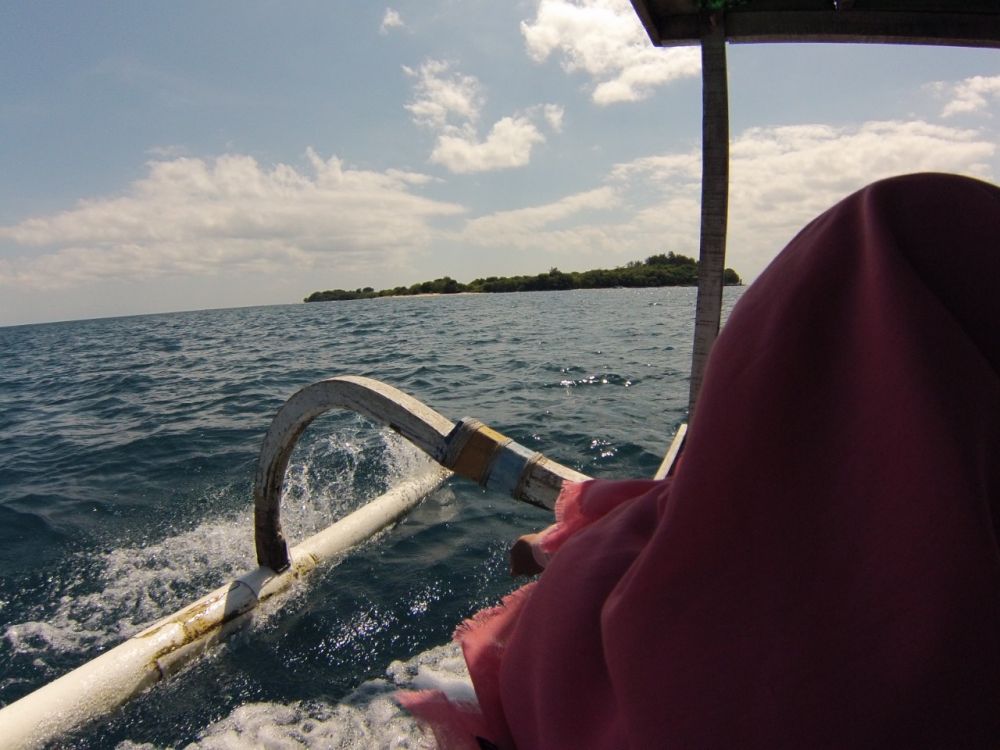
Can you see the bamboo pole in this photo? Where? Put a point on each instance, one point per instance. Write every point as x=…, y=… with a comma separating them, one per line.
x=714, y=197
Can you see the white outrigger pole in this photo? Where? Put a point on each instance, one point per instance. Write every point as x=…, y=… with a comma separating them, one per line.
x=467, y=448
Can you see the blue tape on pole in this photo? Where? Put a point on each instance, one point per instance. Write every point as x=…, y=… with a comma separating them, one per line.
x=507, y=467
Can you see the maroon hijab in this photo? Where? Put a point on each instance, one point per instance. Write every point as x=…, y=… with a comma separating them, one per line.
x=823, y=570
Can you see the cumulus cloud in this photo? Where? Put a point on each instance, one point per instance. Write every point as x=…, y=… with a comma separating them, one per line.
x=508, y=144
x=450, y=103
x=554, y=116
x=781, y=178
x=442, y=97
x=604, y=39
x=191, y=217
x=526, y=221
x=585, y=228
x=968, y=96
x=391, y=20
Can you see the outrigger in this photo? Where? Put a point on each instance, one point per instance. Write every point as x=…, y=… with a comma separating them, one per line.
x=468, y=448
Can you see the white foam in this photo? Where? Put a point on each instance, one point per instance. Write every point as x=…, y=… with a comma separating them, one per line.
x=367, y=718
x=314, y=496
x=378, y=724
x=120, y=591
x=457, y=689
x=137, y=585
x=117, y=593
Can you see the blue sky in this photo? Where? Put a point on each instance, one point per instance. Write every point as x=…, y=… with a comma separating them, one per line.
x=184, y=155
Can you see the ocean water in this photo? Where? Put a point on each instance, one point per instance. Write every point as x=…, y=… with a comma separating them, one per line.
x=127, y=453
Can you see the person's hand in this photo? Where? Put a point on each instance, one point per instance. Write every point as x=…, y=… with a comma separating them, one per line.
x=523, y=558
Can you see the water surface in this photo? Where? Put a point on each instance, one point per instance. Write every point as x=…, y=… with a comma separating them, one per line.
x=127, y=452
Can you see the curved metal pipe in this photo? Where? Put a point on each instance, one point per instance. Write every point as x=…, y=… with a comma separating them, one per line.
x=468, y=448
x=422, y=426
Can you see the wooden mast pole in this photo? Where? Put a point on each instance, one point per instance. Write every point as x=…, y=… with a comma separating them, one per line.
x=714, y=196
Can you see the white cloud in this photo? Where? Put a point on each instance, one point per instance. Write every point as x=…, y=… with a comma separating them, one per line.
x=450, y=103
x=441, y=97
x=662, y=169
x=517, y=226
x=508, y=144
x=193, y=217
x=391, y=20
x=554, y=116
x=604, y=39
x=583, y=229
x=781, y=178
x=968, y=96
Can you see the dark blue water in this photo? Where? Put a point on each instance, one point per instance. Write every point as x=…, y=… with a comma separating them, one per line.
x=127, y=452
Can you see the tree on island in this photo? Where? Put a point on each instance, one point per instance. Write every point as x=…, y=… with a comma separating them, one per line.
x=657, y=270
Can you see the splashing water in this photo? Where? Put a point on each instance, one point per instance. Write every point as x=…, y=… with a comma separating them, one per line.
x=366, y=718
x=119, y=592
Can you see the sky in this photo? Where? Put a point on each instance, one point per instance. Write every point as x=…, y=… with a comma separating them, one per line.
x=189, y=155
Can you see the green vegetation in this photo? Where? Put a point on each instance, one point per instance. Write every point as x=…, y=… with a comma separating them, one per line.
x=656, y=270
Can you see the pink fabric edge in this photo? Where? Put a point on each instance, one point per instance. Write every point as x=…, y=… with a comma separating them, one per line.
x=454, y=725
x=482, y=638
x=569, y=518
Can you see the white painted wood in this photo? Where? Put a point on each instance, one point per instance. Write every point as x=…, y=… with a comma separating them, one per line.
x=667, y=465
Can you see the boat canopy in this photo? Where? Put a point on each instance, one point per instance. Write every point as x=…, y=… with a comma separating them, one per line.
x=974, y=23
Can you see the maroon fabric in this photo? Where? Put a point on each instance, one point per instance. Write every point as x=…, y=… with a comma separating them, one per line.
x=823, y=570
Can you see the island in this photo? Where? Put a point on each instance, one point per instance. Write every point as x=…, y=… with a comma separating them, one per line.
x=657, y=270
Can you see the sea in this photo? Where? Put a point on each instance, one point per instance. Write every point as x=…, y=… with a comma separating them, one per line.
x=127, y=454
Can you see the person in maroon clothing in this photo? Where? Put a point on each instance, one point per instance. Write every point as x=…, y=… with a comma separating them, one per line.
x=823, y=569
